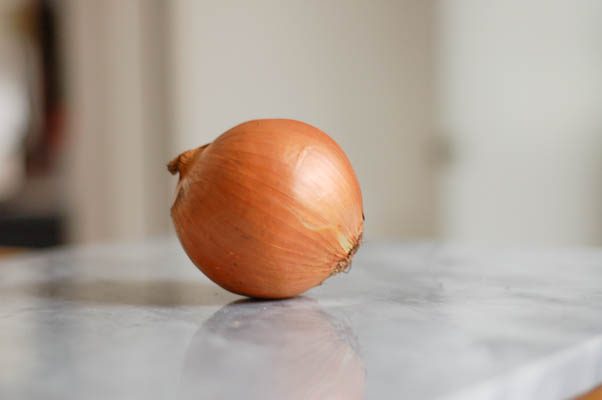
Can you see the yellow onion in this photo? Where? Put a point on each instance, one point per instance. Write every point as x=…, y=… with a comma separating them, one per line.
x=270, y=209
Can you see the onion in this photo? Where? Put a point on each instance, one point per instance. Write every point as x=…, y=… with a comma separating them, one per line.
x=270, y=209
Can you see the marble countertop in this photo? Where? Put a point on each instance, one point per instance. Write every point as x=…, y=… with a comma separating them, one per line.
x=419, y=321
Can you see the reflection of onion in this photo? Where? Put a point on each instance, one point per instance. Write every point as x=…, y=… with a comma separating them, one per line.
x=273, y=350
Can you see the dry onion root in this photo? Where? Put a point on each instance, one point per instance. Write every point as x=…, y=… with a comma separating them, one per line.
x=270, y=209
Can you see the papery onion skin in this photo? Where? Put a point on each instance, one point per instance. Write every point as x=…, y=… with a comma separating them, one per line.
x=270, y=209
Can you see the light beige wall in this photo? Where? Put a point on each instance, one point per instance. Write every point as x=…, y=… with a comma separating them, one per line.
x=359, y=70
x=139, y=94
x=521, y=96
x=118, y=186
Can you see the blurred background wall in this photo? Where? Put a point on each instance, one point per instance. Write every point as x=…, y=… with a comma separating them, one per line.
x=520, y=100
x=465, y=120
x=152, y=79
x=359, y=70
x=119, y=130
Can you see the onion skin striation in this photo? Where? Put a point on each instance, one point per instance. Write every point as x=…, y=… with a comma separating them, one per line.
x=270, y=209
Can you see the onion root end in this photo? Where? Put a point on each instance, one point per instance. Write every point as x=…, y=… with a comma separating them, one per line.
x=344, y=265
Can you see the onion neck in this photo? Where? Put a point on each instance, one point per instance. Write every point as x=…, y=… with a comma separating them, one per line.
x=181, y=164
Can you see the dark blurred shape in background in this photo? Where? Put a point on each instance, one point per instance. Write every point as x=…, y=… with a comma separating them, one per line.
x=31, y=125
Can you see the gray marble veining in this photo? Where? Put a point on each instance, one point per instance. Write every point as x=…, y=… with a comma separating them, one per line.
x=419, y=321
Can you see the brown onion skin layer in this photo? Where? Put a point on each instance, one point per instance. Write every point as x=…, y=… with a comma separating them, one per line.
x=270, y=209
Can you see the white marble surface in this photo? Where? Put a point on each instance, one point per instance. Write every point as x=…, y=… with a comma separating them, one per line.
x=421, y=321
